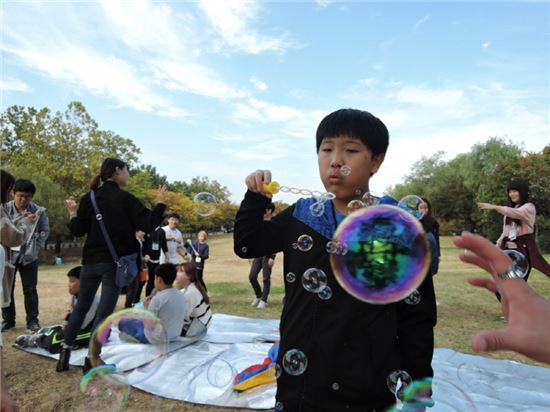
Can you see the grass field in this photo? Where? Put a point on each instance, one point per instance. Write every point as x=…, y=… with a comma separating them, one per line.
x=462, y=311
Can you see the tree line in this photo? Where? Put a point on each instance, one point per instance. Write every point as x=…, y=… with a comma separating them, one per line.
x=62, y=151
x=455, y=186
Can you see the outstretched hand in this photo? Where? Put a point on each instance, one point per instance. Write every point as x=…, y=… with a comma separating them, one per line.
x=161, y=195
x=527, y=312
x=255, y=182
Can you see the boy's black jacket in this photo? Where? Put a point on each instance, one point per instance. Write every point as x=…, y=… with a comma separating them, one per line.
x=351, y=346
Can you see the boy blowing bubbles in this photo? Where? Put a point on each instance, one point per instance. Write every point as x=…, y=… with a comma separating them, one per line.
x=350, y=346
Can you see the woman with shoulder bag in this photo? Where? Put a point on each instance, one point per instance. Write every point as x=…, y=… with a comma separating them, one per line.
x=109, y=217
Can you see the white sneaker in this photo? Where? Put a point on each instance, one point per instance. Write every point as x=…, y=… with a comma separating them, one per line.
x=261, y=304
x=255, y=302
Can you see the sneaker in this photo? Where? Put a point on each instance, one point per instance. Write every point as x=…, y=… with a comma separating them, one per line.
x=33, y=327
x=261, y=304
x=7, y=325
x=22, y=341
x=255, y=302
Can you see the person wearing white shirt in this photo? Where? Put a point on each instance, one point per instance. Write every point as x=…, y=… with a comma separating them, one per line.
x=198, y=314
x=174, y=240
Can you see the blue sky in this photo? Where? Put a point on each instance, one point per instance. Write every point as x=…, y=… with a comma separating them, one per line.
x=222, y=88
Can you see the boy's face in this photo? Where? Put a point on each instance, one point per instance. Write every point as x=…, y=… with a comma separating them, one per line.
x=202, y=237
x=22, y=200
x=74, y=285
x=339, y=151
x=173, y=223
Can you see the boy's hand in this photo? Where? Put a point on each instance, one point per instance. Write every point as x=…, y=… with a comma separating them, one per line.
x=72, y=207
x=255, y=182
x=161, y=194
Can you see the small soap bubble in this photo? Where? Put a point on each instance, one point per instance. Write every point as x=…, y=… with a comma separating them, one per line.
x=294, y=362
x=358, y=192
x=304, y=243
x=290, y=277
x=370, y=199
x=204, y=203
x=135, y=326
x=220, y=373
x=387, y=254
x=332, y=247
x=397, y=382
x=325, y=293
x=244, y=249
x=313, y=280
x=317, y=209
x=335, y=386
x=279, y=406
x=414, y=298
x=413, y=204
x=342, y=249
x=345, y=170
x=295, y=246
x=325, y=197
x=519, y=261
x=355, y=205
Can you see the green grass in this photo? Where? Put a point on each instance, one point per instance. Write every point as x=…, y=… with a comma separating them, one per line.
x=462, y=311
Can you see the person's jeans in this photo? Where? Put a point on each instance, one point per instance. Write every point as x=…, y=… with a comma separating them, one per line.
x=29, y=280
x=257, y=265
x=91, y=276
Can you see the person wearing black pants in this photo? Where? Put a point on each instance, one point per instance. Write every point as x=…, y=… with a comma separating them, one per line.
x=122, y=214
x=154, y=243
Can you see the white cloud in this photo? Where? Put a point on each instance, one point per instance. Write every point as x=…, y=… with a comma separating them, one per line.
x=8, y=83
x=371, y=81
x=264, y=112
x=486, y=45
x=323, y=3
x=421, y=21
x=258, y=84
x=232, y=20
x=378, y=66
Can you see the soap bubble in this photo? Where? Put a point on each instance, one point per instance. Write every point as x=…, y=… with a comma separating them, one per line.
x=313, y=280
x=332, y=247
x=519, y=261
x=204, y=203
x=388, y=254
x=317, y=209
x=220, y=373
x=103, y=389
x=414, y=298
x=325, y=293
x=397, y=381
x=304, y=243
x=355, y=205
x=370, y=199
x=135, y=326
x=290, y=277
x=278, y=371
x=294, y=362
x=279, y=406
x=295, y=246
x=345, y=170
x=325, y=197
x=412, y=204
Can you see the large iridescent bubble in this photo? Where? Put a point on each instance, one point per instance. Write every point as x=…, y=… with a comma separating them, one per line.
x=388, y=254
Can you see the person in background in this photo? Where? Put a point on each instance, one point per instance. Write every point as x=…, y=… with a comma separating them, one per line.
x=25, y=257
x=264, y=264
x=198, y=314
x=133, y=292
x=200, y=251
x=155, y=243
x=431, y=227
x=174, y=240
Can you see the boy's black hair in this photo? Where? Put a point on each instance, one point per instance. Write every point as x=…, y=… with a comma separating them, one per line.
x=24, y=185
x=168, y=216
x=271, y=207
x=356, y=124
x=167, y=272
x=74, y=272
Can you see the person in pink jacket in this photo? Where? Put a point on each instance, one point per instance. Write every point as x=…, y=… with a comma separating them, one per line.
x=519, y=225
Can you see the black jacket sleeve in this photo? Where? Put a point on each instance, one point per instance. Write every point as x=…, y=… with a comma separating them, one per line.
x=253, y=237
x=416, y=331
x=80, y=225
x=141, y=217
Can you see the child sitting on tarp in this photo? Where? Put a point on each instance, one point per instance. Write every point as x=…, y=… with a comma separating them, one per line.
x=198, y=314
x=51, y=337
x=168, y=304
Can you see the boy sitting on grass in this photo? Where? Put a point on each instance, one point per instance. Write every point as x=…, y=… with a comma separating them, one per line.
x=52, y=337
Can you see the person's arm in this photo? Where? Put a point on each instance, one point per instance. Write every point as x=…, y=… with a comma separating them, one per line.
x=80, y=215
x=527, y=312
x=43, y=229
x=254, y=237
x=205, y=252
x=154, y=304
x=143, y=218
x=526, y=212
